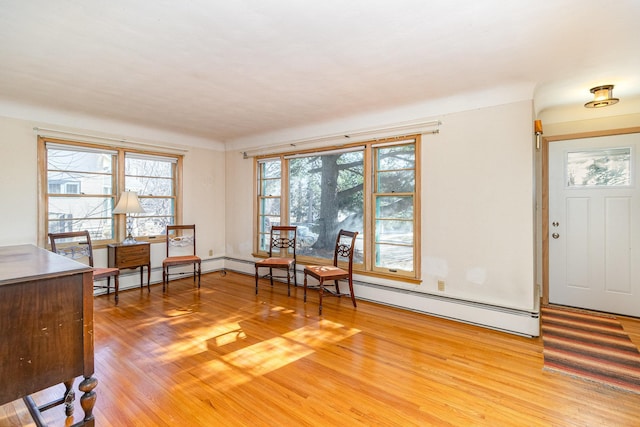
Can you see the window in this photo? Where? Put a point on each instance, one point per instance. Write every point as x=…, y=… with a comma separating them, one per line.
x=394, y=199
x=269, y=187
x=326, y=195
x=153, y=178
x=69, y=169
x=82, y=183
x=370, y=188
x=599, y=168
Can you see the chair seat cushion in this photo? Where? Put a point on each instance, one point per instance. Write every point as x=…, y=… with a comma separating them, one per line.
x=275, y=262
x=102, y=272
x=178, y=260
x=326, y=272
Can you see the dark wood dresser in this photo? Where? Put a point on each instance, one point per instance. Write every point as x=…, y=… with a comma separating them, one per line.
x=46, y=328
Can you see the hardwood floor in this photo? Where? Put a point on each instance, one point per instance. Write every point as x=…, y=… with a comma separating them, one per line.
x=223, y=356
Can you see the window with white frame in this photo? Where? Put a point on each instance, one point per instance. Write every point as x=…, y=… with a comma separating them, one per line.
x=370, y=188
x=82, y=182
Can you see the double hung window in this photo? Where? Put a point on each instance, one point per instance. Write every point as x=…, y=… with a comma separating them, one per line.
x=80, y=185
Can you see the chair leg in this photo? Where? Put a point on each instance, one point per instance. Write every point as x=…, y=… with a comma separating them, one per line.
x=117, y=287
x=271, y=276
x=108, y=285
x=257, y=280
x=305, y=287
x=337, y=287
x=353, y=296
x=295, y=275
x=320, y=292
x=199, y=274
x=288, y=283
x=165, y=272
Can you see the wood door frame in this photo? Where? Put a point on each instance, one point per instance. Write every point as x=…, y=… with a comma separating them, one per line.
x=544, y=151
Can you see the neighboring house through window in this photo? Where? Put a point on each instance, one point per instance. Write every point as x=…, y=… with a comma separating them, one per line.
x=81, y=184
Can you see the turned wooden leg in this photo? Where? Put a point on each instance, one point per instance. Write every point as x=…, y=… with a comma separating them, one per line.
x=69, y=397
x=88, y=399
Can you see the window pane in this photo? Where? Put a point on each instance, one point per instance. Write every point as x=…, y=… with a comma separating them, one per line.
x=389, y=231
x=394, y=207
x=81, y=213
x=608, y=167
x=270, y=169
x=81, y=161
x=156, y=207
x=150, y=226
x=402, y=181
x=396, y=157
x=150, y=186
x=148, y=167
x=77, y=183
x=271, y=187
x=81, y=207
x=326, y=195
x=394, y=257
x=270, y=206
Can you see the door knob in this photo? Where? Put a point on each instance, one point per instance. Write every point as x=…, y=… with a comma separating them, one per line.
x=555, y=235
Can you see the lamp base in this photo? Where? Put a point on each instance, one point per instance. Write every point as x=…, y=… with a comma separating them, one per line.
x=129, y=240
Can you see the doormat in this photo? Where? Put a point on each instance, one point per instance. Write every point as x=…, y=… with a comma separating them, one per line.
x=590, y=346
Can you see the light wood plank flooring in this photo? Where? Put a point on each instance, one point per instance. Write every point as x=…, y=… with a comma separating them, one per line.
x=224, y=356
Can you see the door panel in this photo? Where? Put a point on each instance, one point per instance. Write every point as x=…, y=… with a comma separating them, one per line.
x=594, y=223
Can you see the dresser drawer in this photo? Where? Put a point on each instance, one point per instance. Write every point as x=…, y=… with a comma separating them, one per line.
x=129, y=256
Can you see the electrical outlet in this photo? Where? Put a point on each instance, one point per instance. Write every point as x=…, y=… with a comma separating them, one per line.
x=441, y=285
x=210, y=252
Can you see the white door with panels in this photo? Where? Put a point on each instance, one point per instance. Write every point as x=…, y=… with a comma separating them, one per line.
x=594, y=223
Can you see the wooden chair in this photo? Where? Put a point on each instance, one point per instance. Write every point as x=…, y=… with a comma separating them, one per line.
x=77, y=245
x=282, y=238
x=181, y=250
x=345, y=247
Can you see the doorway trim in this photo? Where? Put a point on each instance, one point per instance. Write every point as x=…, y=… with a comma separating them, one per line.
x=544, y=151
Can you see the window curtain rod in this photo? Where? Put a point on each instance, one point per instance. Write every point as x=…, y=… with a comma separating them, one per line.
x=53, y=133
x=352, y=136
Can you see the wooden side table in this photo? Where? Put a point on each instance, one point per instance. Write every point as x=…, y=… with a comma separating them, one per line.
x=132, y=255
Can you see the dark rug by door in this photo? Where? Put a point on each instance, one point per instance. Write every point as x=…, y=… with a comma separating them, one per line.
x=590, y=346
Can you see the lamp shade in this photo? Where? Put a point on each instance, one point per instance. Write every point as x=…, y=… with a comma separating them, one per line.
x=128, y=203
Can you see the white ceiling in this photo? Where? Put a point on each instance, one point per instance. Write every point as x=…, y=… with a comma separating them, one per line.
x=230, y=69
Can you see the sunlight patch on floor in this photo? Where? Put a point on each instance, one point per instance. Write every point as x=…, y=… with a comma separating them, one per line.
x=269, y=355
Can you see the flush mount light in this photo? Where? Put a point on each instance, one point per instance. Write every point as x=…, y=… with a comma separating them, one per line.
x=602, y=97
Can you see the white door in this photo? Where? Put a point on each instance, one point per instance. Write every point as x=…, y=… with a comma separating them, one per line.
x=594, y=223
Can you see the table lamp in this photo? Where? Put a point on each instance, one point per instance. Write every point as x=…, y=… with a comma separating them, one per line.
x=128, y=204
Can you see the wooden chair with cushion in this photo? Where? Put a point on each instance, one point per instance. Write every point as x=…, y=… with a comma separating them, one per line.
x=343, y=253
x=77, y=245
x=283, y=239
x=181, y=251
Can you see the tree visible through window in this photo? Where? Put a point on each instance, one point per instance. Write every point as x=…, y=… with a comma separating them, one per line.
x=326, y=195
x=325, y=191
x=152, y=177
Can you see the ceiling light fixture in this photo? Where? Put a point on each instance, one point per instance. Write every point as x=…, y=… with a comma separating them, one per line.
x=602, y=97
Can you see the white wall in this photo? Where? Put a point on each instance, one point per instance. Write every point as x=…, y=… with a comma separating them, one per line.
x=203, y=202
x=477, y=219
x=477, y=215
